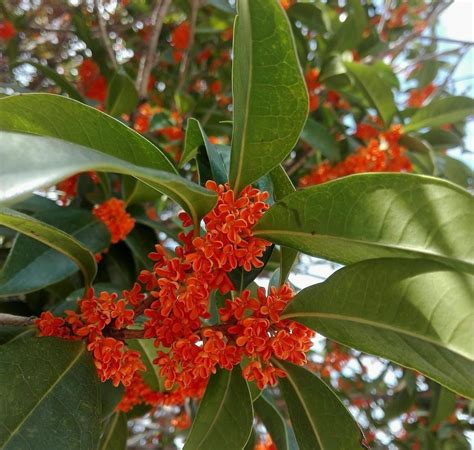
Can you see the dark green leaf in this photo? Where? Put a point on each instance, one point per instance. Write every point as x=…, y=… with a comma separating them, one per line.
x=443, y=404
x=320, y=420
x=440, y=112
x=454, y=170
x=116, y=433
x=442, y=139
x=50, y=395
x=122, y=97
x=416, y=313
x=273, y=421
x=225, y=415
x=376, y=90
x=31, y=162
x=47, y=255
x=270, y=98
x=321, y=140
x=374, y=216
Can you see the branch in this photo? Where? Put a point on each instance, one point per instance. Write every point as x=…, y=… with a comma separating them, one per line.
x=103, y=32
x=183, y=68
x=426, y=58
x=453, y=69
x=20, y=321
x=148, y=60
x=444, y=39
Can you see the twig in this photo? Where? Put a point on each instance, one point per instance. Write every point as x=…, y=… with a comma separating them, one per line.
x=452, y=70
x=426, y=58
x=444, y=39
x=148, y=60
x=103, y=32
x=183, y=68
x=11, y=320
x=298, y=163
x=384, y=15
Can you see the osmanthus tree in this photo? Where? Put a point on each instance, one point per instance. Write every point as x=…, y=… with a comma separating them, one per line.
x=129, y=272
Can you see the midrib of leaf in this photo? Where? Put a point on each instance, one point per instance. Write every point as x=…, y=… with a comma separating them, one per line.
x=343, y=318
x=64, y=373
x=303, y=404
x=413, y=250
x=216, y=416
x=111, y=432
x=247, y=103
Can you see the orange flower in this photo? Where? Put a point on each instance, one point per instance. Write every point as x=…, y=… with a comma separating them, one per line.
x=181, y=35
x=68, y=187
x=94, y=85
x=418, y=96
x=7, y=30
x=112, y=213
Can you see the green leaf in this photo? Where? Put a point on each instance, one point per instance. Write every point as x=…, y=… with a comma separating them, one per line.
x=321, y=140
x=50, y=395
x=148, y=353
x=122, y=96
x=214, y=157
x=54, y=76
x=416, y=313
x=141, y=241
x=116, y=433
x=375, y=89
x=21, y=272
x=440, y=112
x=349, y=34
x=376, y=215
x=319, y=419
x=442, y=139
x=63, y=118
x=454, y=170
x=282, y=186
x=443, y=404
x=225, y=415
x=270, y=98
x=32, y=162
x=273, y=421
x=111, y=397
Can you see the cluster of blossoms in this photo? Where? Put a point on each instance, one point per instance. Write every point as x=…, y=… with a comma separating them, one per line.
x=176, y=307
x=112, y=213
x=315, y=90
x=93, y=84
x=383, y=153
x=180, y=38
x=99, y=316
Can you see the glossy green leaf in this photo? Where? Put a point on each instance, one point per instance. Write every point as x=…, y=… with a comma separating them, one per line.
x=455, y=170
x=374, y=216
x=319, y=419
x=54, y=76
x=148, y=352
x=321, y=139
x=273, y=421
x=115, y=434
x=282, y=186
x=416, y=313
x=111, y=397
x=269, y=91
x=59, y=117
x=442, y=139
x=440, y=112
x=375, y=89
x=225, y=415
x=32, y=162
x=122, y=96
x=50, y=395
x=18, y=273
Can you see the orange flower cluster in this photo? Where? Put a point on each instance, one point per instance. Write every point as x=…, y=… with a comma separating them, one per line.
x=99, y=315
x=266, y=444
x=180, y=38
x=7, y=30
x=68, y=187
x=334, y=360
x=382, y=154
x=112, y=213
x=94, y=85
x=418, y=96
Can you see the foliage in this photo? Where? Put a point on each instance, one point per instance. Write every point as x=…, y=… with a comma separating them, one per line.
x=151, y=229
